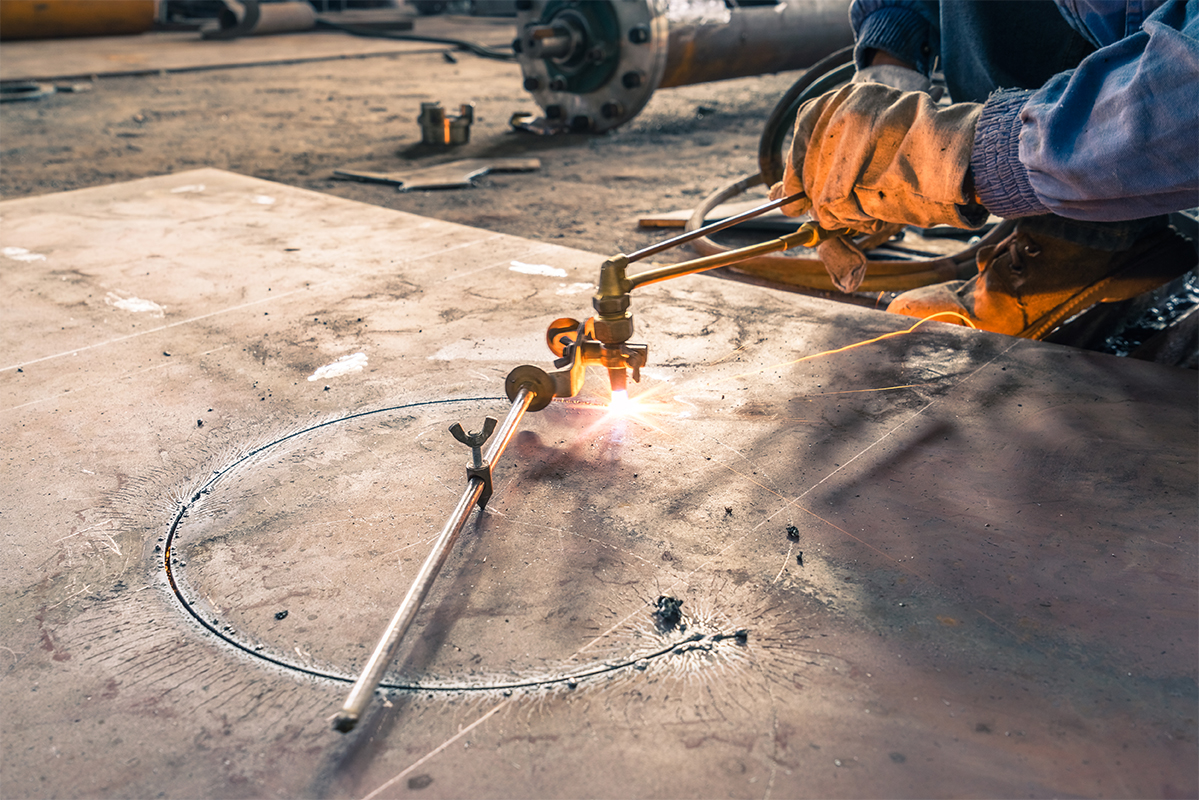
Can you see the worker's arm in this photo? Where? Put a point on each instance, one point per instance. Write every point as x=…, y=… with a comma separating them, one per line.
x=906, y=31
x=841, y=137
x=1112, y=139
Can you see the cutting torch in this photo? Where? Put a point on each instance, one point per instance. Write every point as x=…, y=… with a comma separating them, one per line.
x=603, y=340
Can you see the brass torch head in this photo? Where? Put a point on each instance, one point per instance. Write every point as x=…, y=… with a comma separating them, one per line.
x=613, y=323
x=614, y=329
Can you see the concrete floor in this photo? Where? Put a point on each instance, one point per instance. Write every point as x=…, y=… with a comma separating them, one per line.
x=295, y=123
x=997, y=593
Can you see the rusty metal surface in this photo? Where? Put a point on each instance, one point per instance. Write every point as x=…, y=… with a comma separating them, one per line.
x=754, y=41
x=997, y=594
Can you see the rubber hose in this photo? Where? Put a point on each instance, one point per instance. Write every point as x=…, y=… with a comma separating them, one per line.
x=809, y=273
x=480, y=50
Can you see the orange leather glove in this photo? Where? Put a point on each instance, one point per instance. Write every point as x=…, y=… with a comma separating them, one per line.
x=867, y=155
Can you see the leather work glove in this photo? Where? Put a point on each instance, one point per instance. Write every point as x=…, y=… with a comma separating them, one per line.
x=867, y=155
x=844, y=262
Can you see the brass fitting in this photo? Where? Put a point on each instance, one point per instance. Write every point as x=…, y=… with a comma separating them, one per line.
x=438, y=128
x=578, y=346
x=613, y=322
x=614, y=330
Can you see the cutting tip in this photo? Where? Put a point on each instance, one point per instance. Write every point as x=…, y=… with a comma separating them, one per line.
x=618, y=379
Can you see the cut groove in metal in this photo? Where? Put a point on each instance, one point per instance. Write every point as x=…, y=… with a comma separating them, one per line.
x=567, y=679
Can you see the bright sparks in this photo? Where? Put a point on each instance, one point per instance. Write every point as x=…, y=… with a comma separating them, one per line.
x=940, y=316
x=642, y=409
x=620, y=402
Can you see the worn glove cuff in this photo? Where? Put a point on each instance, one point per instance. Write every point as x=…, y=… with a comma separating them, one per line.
x=897, y=77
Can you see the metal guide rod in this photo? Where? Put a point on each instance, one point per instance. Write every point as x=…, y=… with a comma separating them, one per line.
x=719, y=225
x=364, y=688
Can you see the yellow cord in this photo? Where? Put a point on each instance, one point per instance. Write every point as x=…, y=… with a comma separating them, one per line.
x=891, y=335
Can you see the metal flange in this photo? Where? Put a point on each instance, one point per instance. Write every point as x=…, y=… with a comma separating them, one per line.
x=591, y=66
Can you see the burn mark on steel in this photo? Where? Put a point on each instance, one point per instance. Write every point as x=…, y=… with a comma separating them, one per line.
x=668, y=613
x=741, y=636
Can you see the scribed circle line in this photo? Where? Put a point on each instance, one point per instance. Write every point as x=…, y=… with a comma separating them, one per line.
x=186, y=505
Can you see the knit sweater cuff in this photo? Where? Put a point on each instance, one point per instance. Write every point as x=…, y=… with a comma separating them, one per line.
x=1000, y=180
x=899, y=32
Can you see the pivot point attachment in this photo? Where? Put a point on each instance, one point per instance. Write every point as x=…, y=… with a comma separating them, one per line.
x=538, y=382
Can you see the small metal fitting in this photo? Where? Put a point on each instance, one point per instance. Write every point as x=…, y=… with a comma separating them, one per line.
x=478, y=468
x=615, y=329
x=475, y=439
x=537, y=381
x=439, y=129
x=578, y=347
x=611, y=299
x=555, y=43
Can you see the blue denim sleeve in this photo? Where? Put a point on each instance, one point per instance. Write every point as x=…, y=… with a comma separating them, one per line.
x=1104, y=22
x=906, y=29
x=1113, y=139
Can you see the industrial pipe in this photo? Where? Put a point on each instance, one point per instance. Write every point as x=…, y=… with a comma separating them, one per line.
x=593, y=65
x=62, y=19
x=253, y=18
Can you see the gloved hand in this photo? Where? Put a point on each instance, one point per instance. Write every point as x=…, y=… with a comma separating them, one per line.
x=866, y=155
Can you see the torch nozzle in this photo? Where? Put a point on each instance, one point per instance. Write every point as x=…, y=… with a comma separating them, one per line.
x=618, y=378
